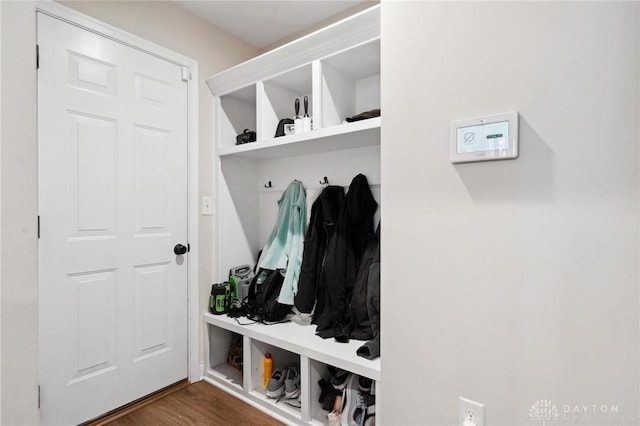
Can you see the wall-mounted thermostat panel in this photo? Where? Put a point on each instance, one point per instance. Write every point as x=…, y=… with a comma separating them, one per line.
x=493, y=137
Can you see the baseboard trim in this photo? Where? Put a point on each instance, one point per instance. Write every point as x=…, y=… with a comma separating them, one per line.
x=137, y=404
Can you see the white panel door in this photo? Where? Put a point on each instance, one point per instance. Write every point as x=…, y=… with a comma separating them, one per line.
x=113, y=204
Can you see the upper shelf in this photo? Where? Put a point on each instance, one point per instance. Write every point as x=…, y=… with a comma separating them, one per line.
x=344, y=136
x=352, y=31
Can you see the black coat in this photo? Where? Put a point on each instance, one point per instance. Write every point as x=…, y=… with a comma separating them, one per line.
x=371, y=349
x=322, y=224
x=354, y=230
x=361, y=323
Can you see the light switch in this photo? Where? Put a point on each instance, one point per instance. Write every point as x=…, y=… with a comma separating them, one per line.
x=206, y=208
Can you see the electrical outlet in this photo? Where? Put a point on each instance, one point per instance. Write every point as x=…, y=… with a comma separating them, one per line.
x=470, y=413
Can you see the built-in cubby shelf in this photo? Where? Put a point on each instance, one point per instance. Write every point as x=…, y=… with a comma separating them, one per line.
x=287, y=343
x=237, y=111
x=350, y=83
x=338, y=69
x=302, y=340
x=276, y=99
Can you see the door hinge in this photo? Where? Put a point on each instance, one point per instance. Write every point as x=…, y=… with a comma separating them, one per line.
x=38, y=226
x=37, y=56
x=186, y=74
x=38, y=396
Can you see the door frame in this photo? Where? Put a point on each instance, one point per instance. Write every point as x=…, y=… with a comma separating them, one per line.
x=70, y=16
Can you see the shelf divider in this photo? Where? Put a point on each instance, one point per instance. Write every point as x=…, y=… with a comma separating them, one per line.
x=246, y=363
x=305, y=388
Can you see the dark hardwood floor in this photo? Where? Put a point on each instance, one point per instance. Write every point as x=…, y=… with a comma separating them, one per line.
x=196, y=404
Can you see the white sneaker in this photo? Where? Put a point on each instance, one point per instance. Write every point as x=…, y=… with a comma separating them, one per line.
x=350, y=401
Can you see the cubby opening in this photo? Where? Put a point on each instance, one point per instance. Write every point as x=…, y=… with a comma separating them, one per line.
x=281, y=359
x=237, y=112
x=350, y=83
x=319, y=371
x=278, y=98
x=221, y=342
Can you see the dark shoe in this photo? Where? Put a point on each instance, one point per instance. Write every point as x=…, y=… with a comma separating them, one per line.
x=364, y=384
x=339, y=379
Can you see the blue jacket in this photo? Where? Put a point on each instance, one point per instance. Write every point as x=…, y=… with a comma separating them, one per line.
x=285, y=245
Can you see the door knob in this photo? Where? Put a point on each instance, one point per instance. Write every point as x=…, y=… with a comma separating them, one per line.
x=179, y=249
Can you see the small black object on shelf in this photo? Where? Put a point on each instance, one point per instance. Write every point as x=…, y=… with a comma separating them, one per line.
x=280, y=130
x=364, y=115
x=245, y=137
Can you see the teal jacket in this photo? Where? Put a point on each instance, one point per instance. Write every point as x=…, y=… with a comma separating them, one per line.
x=284, y=246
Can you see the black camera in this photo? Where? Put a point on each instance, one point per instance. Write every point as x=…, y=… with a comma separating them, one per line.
x=246, y=137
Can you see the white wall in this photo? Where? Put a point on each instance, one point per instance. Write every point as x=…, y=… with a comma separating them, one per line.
x=18, y=198
x=0, y=213
x=161, y=22
x=510, y=282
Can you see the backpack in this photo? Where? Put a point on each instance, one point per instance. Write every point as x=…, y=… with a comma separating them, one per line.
x=262, y=301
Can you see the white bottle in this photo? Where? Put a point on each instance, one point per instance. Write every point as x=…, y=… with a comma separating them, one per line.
x=306, y=124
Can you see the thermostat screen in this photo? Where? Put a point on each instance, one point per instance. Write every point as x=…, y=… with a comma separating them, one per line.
x=483, y=137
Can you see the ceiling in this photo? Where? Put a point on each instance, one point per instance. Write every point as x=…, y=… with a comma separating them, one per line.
x=261, y=23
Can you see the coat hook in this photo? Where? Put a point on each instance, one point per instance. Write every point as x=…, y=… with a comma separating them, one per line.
x=268, y=185
x=325, y=181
